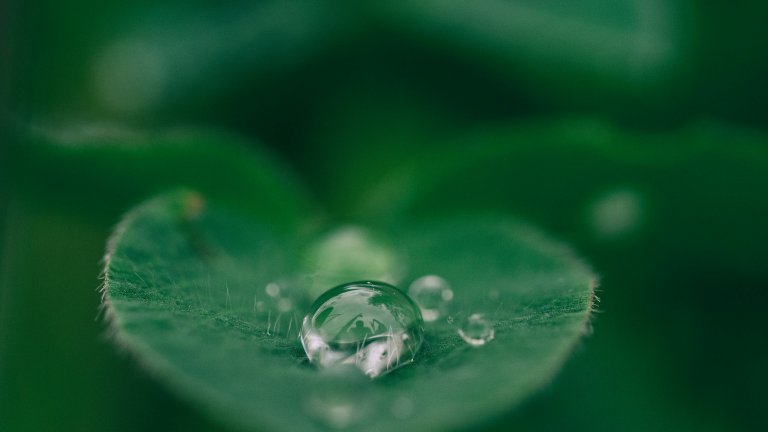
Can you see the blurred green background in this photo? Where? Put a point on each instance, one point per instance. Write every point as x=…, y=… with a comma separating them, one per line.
x=636, y=130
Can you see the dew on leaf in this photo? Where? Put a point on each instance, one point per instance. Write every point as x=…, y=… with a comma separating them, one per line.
x=281, y=296
x=279, y=308
x=371, y=325
x=433, y=294
x=476, y=330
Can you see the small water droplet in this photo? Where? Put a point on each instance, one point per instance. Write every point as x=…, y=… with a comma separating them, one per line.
x=476, y=330
x=371, y=325
x=272, y=289
x=279, y=308
x=281, y=296
x=449, y=319
x=432, y=293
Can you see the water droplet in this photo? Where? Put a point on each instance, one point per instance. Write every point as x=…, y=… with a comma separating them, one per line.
x=281, y=296
x=272, y=289
x=279, y=308
x=432, y=293
x=476, y=330
x=371, y=325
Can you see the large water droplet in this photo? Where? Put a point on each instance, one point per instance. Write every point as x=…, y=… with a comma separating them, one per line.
x=432, y=293
x=371, y=325
x=476, y=330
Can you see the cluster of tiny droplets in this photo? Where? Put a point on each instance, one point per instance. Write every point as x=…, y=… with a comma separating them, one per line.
x=278, y=309
x=433, y=294
x=374, y=328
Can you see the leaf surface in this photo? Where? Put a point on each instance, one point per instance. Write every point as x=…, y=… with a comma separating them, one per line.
x=185, y=292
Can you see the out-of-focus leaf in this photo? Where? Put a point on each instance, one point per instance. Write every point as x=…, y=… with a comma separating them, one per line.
x=103, y=169
x=583, y=50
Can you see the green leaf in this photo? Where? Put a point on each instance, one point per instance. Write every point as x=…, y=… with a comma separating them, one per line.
x=184, y=289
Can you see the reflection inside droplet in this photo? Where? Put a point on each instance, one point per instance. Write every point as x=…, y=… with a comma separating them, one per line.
x=371, y=325
x=476, y=330
x=432, y=293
